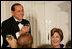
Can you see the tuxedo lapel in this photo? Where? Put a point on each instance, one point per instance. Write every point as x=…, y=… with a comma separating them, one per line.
x=14, y=26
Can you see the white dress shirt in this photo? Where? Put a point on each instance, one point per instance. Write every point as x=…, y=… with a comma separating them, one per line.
x=20, y=26
x=1, y=40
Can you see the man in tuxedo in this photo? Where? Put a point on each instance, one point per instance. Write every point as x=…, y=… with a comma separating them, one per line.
x=15, y=25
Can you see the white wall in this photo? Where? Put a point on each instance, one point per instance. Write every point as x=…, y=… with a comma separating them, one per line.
x=56, y=17
x=43, y=16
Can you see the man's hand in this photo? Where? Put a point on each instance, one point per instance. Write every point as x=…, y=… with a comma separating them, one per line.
x=24, y=29
x=12, y=42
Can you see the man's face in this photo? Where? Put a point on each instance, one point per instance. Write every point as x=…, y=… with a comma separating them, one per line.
x=19, y=12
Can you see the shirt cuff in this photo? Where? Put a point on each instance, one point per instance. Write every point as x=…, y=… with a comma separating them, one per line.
x=17, y=35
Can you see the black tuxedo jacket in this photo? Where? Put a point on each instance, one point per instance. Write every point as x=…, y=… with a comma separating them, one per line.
x=10, y=26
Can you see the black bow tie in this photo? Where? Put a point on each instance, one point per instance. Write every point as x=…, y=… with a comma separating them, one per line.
x=19, y=22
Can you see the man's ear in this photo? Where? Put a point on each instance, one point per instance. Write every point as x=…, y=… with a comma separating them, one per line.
x=12, y=13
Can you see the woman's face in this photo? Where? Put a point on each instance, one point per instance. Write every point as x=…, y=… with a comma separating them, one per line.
x=55, y=39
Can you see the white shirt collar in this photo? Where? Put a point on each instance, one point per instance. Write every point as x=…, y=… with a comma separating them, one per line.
x=17, y=19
